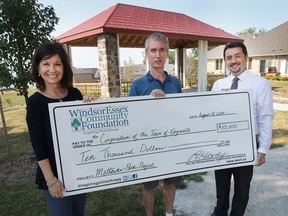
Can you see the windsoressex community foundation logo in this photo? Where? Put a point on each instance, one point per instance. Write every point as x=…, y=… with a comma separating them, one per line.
x=98, y=118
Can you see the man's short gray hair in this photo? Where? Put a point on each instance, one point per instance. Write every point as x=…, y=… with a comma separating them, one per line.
x=156, y=36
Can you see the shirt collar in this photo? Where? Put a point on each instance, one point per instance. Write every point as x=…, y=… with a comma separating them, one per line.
x=151, y=78
x=242, y=76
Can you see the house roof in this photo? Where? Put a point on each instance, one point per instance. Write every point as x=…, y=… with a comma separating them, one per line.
x=273, y=42
x=134, y=23
x=85, y=75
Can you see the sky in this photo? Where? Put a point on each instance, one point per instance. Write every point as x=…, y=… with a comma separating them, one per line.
x=230, y=15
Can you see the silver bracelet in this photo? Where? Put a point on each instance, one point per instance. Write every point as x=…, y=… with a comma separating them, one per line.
x=52, y=183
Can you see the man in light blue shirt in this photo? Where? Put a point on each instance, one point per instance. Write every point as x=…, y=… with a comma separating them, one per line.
x=236, y=56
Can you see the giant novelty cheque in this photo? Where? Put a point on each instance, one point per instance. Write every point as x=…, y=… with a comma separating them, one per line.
x=123, y=141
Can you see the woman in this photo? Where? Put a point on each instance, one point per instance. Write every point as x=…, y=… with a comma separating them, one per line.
x=53, y=76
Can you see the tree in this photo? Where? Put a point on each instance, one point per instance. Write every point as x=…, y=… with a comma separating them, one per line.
x=194, y=52
x=171, y=55
x=24, y=24
x=251, y=31
x=192, y=62
x=5, y=78
x=128, y=69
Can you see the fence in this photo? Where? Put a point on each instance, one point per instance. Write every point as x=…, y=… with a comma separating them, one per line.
x=95, y=88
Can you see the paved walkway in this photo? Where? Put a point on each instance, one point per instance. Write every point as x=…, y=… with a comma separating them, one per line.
x=268, y=194
x=280, y=106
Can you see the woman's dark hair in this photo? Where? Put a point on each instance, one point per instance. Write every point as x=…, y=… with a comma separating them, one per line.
x=45, y=51
x=235, y=44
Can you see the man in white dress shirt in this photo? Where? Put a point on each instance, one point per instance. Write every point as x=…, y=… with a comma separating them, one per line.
x=236, y=57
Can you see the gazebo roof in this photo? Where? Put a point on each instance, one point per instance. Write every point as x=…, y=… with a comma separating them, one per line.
x=133, y=24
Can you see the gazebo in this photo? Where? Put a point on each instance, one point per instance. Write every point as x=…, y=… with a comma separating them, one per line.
x=125, y=25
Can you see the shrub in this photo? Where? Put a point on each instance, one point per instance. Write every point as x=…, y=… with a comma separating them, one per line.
x=278, y=78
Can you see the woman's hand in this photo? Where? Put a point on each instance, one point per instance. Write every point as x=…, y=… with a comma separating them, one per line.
x=55, y=188
x=89, y=98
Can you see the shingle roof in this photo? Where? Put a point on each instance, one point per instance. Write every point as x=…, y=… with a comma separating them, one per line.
x=272, y=42
x=129, y=19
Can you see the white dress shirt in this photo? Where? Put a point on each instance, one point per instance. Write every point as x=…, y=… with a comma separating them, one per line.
x=262, y=104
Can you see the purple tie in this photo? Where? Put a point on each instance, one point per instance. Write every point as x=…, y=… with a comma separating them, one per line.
x=235, y=83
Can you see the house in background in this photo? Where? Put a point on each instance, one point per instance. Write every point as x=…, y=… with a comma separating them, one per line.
x=86, y=75
x=92, y=75
x=267, y=52
x=141, y=69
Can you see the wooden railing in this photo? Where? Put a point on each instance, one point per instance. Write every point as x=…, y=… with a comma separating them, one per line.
x=125, y=88
x=95, y=88
x=89, y=88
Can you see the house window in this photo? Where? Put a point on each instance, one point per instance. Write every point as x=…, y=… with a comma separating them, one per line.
x=250, y=63
x=219, y=63
x=262, y=66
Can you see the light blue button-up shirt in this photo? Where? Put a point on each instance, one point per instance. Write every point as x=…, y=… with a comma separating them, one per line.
x=262, y=102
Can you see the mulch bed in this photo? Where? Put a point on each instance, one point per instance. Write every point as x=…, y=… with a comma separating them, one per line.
x=22, y=171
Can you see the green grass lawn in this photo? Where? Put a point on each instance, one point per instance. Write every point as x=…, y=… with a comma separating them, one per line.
x=280, y=89
x=26, y=199
x=10, y=99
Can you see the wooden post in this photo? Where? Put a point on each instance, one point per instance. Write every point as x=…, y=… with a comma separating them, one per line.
x=5, y=132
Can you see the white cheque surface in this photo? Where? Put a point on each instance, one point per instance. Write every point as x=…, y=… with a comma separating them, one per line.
x=124, y=141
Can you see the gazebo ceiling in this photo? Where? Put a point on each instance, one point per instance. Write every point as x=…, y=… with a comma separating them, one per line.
x=137, y=41
x=133, y=24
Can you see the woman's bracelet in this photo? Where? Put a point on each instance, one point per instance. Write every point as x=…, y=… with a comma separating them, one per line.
x=51, y=184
